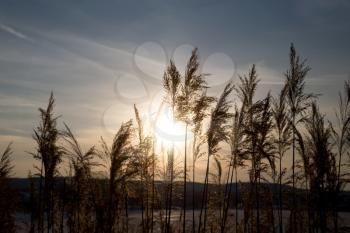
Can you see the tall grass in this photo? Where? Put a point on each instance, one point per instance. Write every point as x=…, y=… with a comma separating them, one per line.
x=200, y=112
x=216, y=133
x=171, y=84
x=49, y=153
x=122, y=166
x=341, y=139
x=191, y=102
x=322, y=170
x=298, y=102
x=246, y=92
x=80, y=211
x=8, y=199
x=236, y=160
x=283, y=140
x=144, y=161
x=107, y=182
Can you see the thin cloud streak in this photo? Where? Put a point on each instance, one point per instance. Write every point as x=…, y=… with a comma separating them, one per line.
x=15, y=32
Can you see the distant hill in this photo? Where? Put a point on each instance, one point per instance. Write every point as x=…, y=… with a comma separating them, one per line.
x=22, y=187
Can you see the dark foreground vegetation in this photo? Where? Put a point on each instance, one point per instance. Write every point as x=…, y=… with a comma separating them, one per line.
x=260, y=135
x=22, y=187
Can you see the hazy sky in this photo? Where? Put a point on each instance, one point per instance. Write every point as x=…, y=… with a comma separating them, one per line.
x=100, y=57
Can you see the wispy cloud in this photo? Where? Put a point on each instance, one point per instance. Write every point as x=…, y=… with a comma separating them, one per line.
x=15, y=32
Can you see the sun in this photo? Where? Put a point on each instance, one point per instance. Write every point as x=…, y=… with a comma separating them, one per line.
x=167, y=129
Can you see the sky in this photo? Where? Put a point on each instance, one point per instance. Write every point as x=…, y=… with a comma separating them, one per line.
x=101, y=57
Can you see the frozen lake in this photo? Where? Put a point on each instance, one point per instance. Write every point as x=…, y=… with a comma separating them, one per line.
x=23, y=219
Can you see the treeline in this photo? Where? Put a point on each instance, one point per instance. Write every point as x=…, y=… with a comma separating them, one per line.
x=260, y=135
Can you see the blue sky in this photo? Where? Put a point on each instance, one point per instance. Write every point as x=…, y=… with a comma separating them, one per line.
x=99, y=57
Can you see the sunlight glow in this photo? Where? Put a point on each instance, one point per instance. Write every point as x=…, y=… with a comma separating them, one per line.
x=169, y=131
